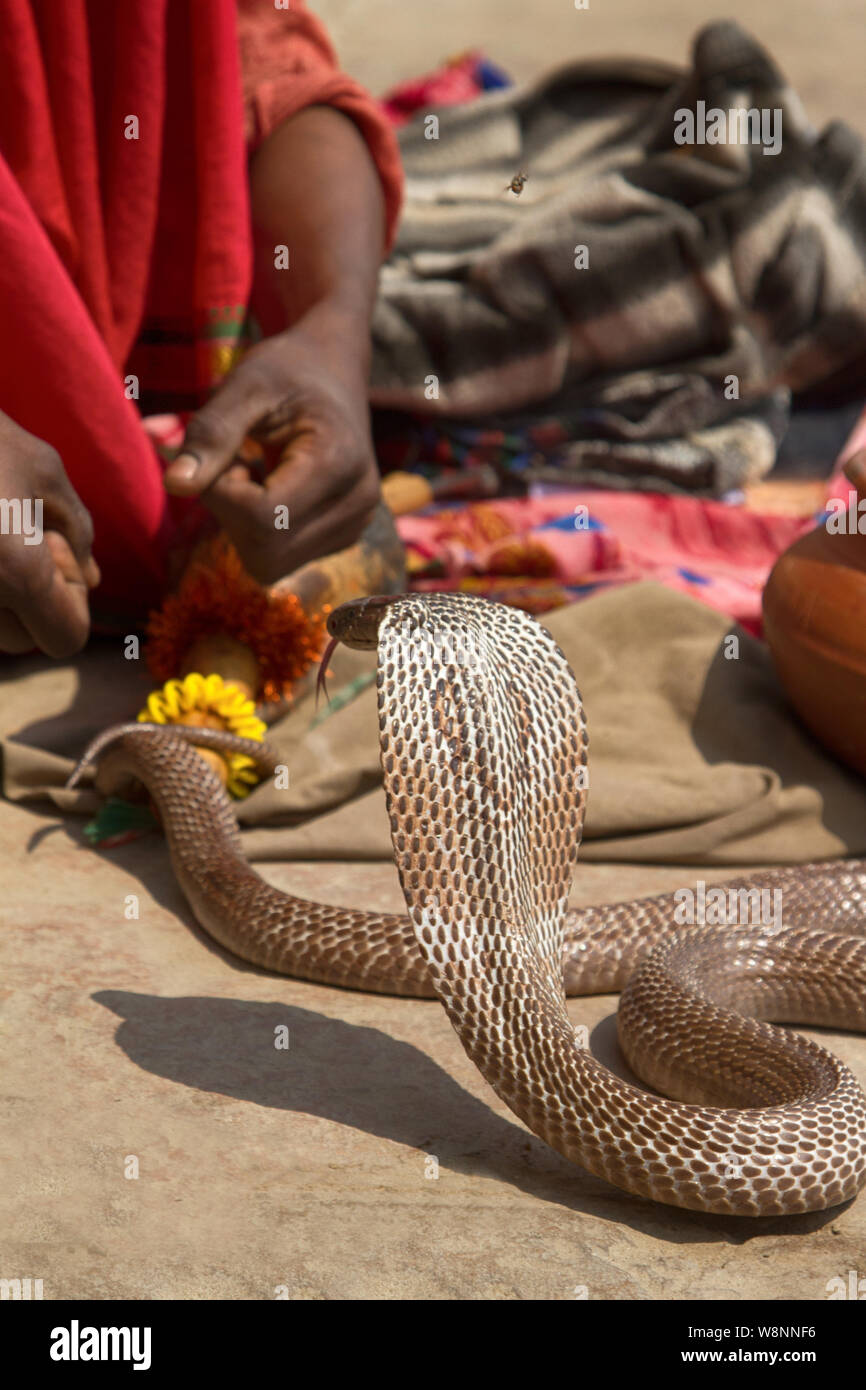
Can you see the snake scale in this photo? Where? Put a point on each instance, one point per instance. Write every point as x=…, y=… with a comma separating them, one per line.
x=483, y=749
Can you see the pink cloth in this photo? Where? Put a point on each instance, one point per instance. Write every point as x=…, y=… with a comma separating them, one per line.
x=454, y=82
x=546, y=551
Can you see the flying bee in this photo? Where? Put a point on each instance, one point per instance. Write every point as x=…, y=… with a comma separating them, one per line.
x=516, y=184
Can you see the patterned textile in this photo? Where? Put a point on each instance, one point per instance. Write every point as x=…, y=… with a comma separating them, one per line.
x=542, y=552
x=526, y=448
x=638, y=316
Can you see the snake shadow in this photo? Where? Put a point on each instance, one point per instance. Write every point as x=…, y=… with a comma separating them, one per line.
x=361, y=1077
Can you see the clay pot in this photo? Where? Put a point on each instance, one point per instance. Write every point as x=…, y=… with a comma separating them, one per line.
x=815, y=624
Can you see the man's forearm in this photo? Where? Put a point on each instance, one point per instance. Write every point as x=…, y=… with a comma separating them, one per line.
x=315, y=189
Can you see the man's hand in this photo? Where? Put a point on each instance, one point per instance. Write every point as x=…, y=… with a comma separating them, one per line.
x=304, y=398
x=46, y=565
x=302, y=392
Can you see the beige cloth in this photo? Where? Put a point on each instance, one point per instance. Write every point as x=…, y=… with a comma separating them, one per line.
x=695, y=757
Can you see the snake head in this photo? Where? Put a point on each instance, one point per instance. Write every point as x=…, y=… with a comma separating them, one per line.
x=356, y=624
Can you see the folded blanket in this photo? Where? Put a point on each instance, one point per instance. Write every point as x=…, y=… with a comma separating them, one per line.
x=638, y=315
x=695, y=757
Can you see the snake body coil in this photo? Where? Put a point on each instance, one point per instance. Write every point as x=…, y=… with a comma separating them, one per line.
x=483, y=750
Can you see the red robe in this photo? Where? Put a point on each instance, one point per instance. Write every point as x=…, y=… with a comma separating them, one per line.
x=125, y=240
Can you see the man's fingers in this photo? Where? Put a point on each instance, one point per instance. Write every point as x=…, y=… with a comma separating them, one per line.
x=321, y=534
x=237, y=502
x=92, y=574
x=321, y=525
x=67, y=514
x=61, y=508
x=215, y=433
x=14, y=637
x=49, y=600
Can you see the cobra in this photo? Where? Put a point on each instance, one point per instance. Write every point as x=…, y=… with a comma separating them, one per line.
x=483, y=749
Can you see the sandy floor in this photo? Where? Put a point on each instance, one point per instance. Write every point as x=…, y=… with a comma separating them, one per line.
x=819, y=47
x=368, y=1159
x=156, y=1143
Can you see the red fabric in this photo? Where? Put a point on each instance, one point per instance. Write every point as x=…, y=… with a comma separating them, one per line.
x=288, y=63
x=121, y=254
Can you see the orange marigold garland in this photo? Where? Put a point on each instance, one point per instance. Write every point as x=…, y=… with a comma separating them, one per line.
x=218, y=644
x=217, y=598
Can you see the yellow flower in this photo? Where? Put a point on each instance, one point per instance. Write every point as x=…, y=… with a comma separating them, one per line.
x=222, y=705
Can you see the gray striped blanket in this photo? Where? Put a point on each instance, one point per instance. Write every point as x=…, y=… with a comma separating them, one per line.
x=686, y=252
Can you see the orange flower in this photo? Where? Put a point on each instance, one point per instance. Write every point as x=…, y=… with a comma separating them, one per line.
x=217, y=596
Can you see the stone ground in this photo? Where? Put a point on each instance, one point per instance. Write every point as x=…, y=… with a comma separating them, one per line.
x=311, y=1168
